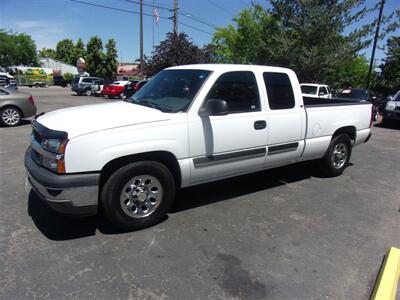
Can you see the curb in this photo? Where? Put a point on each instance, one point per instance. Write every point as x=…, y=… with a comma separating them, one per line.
x=386, y=284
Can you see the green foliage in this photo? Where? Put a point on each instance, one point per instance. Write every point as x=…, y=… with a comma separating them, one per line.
x=65, y=51
x=47, y=52
x=390, y=69
x=311, y=37
x=110, y=60
x=176, y=50
x=79, y=51
x=17, y=49
x=94, y=56
x=68, y=77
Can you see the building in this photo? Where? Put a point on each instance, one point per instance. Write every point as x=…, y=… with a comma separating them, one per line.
x=127, y=71
x=58, y=67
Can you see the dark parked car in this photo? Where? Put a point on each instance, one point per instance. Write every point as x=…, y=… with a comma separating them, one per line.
x=60, y=81
x=14, y=106
x=140, y=84
x=83, y=85
x=129, y=89
x=362, y=94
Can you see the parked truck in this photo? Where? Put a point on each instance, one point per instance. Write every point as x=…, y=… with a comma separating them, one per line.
x=188, y=125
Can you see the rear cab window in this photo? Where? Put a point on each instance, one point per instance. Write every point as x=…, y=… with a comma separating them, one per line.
x=279, y=90
x=309, y=89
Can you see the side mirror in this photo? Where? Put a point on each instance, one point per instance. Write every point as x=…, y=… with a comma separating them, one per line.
x=214, y=107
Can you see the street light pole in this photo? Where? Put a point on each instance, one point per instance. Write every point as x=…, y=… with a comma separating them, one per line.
x=141, y=39
x=375, y=42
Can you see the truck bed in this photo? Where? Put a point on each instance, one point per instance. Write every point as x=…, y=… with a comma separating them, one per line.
x=318, y=102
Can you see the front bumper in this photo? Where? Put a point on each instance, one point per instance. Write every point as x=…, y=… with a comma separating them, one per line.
x=75, y=194
x=391, y=115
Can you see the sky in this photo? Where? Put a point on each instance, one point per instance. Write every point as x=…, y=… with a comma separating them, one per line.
x=49, y=21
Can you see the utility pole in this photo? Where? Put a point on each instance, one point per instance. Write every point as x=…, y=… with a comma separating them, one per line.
x=375, y=41
x=141, y=39
x=175, y=17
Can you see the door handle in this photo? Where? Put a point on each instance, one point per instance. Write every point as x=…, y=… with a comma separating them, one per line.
x=258, y=125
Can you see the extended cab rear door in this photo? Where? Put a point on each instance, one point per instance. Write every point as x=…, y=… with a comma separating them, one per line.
x=286, y=117
x=230, y=144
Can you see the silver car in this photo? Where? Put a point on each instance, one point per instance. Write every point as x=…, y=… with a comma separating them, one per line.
x=14, y=106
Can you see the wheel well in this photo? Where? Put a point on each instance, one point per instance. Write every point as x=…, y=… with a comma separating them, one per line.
x=13, y=106
x=349, y=130
x=166, y=158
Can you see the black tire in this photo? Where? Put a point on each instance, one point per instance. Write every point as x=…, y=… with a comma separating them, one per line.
x=36, y=85
x=88, y=92
x=386, y=122
x=13, y=118
x=122, y=96
x=111, y=195
x=330, y=165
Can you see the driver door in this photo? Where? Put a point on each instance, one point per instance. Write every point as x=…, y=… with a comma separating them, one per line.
x=226, y=145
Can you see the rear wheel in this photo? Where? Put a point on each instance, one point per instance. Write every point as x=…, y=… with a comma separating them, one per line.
x=10, y=116
x=337, y=156
x=88, y=92
x=138, y=195
x=122, y=96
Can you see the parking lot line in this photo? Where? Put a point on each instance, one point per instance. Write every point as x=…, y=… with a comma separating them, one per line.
x=386, y=285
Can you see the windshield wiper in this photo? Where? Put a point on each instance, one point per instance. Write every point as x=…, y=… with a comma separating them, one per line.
x=152, y=105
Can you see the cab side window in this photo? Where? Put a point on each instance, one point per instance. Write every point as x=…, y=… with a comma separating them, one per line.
x=279, y=90
x=239, y=90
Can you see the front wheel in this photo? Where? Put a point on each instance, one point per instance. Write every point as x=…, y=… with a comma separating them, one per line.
x=337, y=156
x=122, y=96
x=88, y=92
x=138, y=195
x=10, y=116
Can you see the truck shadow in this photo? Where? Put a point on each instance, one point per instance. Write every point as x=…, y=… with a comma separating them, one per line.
x=59, y=227
x=226, y=189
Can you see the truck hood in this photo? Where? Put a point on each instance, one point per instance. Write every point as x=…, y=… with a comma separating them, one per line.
x=80, y=120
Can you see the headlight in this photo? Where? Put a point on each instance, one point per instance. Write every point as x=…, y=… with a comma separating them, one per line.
x=54, y=162
x=390, y=106
x=54, y=145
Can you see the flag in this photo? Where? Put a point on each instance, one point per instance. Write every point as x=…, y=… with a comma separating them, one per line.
x=156, y=16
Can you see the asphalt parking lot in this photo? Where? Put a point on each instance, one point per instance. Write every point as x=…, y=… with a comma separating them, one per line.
x=281, y=234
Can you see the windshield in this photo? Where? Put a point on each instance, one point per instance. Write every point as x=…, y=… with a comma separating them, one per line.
x=171, y=90
x=309, y=89
x=359, y=94
x=396, y=97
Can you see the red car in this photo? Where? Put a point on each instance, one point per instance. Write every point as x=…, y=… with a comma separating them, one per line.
x=116, y=89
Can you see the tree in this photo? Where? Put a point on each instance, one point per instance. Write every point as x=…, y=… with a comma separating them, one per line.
x=94, y=56
x=65, y=51
x=173, y=51
x=17, y=49
x=68, y=77
x=47, y=52
x=311, y=36
x=390, y=69
x=110, y=59
x=79, y=51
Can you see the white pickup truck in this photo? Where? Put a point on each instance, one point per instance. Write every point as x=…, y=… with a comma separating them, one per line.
x=188, y=125
x=315, y=90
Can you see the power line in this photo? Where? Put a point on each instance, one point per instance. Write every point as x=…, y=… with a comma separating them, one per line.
x=183, y=13
x=184, y=24
x=221, y=8
x=197, y=19
x=114, y=8
x=136, y=13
